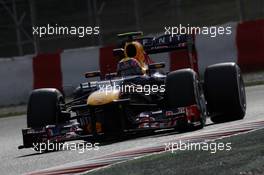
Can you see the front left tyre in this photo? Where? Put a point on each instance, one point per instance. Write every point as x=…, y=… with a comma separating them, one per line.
x=182, y=90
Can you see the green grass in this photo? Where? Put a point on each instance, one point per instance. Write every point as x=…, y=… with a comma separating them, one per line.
x=255, y=83
x=12, y=114
x=245, y=157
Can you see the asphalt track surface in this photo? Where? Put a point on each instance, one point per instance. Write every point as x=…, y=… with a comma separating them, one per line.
x=14, y=161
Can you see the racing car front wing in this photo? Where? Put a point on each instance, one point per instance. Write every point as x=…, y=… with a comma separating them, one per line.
x=150, y=120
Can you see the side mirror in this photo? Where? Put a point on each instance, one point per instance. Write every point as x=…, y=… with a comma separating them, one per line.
x=119, y=53
x=92, y=74
x=156, y=66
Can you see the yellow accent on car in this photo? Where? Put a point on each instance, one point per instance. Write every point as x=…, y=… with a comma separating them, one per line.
x=98, y=127
x=102, y=97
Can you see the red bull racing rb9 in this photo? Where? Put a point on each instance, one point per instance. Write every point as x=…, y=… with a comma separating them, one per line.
x=138, y=97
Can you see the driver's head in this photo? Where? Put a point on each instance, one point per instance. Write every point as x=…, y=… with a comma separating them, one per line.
x=134, y=61
x=135, y=50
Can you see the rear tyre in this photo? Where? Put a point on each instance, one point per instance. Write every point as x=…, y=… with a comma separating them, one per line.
x=44, y=107
x=225, y=92
x=182, y=90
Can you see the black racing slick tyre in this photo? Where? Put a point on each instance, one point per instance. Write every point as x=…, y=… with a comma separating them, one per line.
x=182, y=90
x=44, y=107
x=225, y=92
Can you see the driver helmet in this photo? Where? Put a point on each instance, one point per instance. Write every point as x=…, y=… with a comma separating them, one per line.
x=135, y=50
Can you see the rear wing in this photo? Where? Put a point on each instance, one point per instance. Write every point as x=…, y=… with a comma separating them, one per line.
x=166, y=43
x=162, y=43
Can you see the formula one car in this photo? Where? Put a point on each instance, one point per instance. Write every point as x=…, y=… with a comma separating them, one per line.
x=138, y=97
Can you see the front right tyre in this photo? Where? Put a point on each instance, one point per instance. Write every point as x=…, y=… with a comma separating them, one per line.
x=44, y=107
